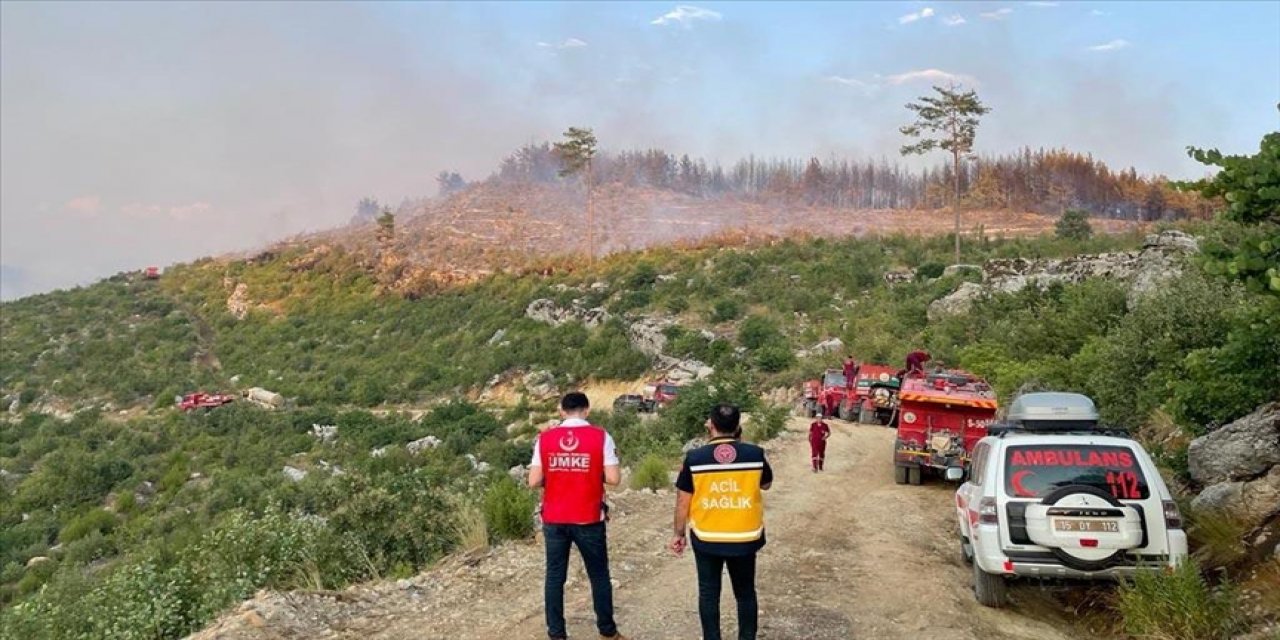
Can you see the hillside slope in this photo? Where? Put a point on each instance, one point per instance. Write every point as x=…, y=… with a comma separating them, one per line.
x=850, y=554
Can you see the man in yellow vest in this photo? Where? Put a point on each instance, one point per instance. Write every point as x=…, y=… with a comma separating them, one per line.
x=719, y=497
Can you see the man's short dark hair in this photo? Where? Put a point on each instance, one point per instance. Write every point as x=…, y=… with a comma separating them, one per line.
x=574, y=401
x=725, y=418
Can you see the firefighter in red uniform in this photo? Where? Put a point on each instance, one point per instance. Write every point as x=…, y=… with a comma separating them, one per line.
x=818, y=434
x=915, y=364
x=572, y=462
x=850, y=372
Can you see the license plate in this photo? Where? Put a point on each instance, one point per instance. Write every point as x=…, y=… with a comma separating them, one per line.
x=1086, y=526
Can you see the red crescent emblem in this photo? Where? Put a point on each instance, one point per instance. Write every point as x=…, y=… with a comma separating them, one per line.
x=725, y=453
x=1016, y=483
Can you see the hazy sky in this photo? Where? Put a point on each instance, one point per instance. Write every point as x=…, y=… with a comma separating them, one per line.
x=149, y=133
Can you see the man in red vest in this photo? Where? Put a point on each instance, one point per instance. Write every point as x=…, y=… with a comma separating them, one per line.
x=572, y=462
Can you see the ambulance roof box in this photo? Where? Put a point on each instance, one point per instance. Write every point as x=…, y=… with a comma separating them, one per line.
x=1053, y=411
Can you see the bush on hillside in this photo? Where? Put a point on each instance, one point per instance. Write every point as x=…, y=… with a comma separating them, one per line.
x=508, y=510
x=767, y=423
x=725, y=309
x=651, y=473
x=1178, y=605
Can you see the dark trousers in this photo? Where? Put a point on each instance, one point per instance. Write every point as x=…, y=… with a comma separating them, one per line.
x=594, y=548
x=742, y=575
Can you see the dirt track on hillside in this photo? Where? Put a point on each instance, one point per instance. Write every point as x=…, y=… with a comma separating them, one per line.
x=850, y=555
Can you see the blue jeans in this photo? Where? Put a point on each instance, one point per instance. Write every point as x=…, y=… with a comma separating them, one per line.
x=594, y=548
x=742, y=575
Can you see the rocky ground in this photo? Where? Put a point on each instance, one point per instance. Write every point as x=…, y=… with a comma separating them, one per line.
x=850, y=555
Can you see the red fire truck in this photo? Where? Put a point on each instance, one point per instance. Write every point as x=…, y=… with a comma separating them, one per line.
x=941, y=416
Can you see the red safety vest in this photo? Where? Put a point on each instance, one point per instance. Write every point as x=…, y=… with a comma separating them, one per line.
x=573, y=468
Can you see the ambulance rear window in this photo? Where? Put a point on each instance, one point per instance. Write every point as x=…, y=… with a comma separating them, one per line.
x=1034, y=471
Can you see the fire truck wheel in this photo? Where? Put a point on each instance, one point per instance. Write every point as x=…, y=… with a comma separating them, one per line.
x=913, y=475
x=867, y=416
x=845, y=412
x=989, y=589
x=899, y=474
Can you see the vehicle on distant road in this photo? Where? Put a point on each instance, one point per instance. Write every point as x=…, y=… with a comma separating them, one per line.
x=202, y=400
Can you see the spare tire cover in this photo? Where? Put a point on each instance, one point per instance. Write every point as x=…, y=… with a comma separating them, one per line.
x=1083, y=501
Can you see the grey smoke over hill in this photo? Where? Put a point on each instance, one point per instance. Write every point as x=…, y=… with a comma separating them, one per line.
x=153, y=132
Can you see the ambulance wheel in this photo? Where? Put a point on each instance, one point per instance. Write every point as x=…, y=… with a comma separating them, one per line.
x=914, y=475
x=989, y=589
x=900, y=474
x=966, y=551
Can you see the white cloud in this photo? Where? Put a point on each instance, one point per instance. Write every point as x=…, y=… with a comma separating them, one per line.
x=571, y=43
x=84, y=205
x=926, y=12
x=954, y=21
x=685, y=14
x=1043, y=4
x=1110, y=46
x=931, y=75
x=998, y=14
x=1099, y=12
x=850, y=82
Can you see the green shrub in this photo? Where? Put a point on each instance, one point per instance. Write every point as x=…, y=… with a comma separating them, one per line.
x=774, y=358
x=1073, y=225
x=92, y=521
x=1177, y=605
x=929, y=271
x=767, y=423
x=758, y=331
x=508, y=510
x=651, y=473
x=725, y=309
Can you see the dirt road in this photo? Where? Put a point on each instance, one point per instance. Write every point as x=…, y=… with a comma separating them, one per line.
x=850, y=555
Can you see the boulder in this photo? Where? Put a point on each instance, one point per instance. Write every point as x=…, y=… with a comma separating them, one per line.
x=684, y=371
x=1253, y=503
x=957, y=303
x=834, y=345
x=957, y=269
x=37, y=561
x=1162, y=258
x=540, y=383
x=293, y=473
x=1242, y=450
x=693, y=444
x=264, y=398
x=546, y=310
x=899, y=276
x=421, y=444
x=478, y=465
x=647, y=337
x=497, y=337
x=238, y=302
x=324, y=432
